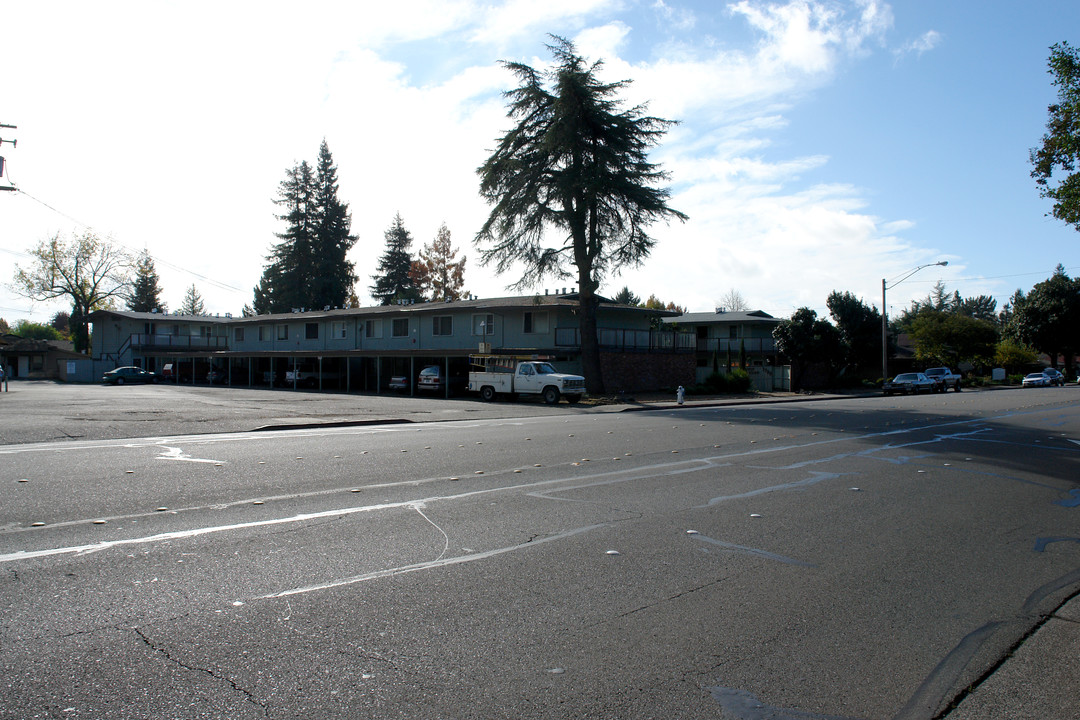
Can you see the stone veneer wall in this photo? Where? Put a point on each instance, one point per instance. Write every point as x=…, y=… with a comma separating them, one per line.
x=647, y=372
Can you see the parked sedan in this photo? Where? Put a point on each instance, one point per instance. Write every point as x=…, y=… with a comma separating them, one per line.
x=909, y=384
x=433, y=379
x=1036, y=380
x=130, y=374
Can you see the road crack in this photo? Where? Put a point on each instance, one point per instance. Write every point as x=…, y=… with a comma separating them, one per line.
x=163, y=652
x=661, y=601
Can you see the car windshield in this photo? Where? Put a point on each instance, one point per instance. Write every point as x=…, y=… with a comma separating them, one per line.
x=430, y=371
x=1034, y=376
x=906, y=377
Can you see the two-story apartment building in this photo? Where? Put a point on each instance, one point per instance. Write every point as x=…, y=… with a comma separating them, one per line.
x=361, y=349
x=722, y=338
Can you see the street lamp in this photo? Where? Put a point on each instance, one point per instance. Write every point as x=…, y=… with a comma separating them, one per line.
x=885, y=315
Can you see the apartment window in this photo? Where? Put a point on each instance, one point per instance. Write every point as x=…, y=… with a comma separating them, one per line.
x=337, y=330
x=733, y=332
x=262, y=333
x=536, y=322
x=282, y=332
x=400, y=327
x=373, y=328
x=442, y=325
x=205, y=330
x=311, y=331
x=483, y=324
x=238, y=334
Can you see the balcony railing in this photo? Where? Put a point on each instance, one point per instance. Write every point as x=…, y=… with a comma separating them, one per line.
x=179, y=342
x=640, y=340
x=754, y=346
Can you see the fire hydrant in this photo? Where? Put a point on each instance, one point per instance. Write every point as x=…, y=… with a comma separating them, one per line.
x=680, y=394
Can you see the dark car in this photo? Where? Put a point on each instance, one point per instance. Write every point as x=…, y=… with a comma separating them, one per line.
x=217, y=376
x=129, y=374
x=909, y=384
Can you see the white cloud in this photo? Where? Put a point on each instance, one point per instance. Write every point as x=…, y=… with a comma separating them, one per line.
x=500, y=22
x=925, y=43
x=681, y=19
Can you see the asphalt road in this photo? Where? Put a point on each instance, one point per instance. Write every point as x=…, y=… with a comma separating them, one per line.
x=861, y=558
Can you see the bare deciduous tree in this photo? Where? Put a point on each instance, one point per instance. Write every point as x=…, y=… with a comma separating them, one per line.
x=733, y=301
x=91, y=271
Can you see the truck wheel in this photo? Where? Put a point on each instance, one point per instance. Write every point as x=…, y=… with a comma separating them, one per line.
x=572, y=398
x=487, y=393
x=551, y=395
x=957, y=387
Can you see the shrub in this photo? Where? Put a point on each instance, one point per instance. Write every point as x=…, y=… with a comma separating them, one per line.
x=737, y=381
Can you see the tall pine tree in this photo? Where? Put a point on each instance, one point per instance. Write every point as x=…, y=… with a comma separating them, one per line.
x=193, y=302
x=393, y=281
x=333, y=278
x=285, y=279
x=145, y=292
x=308, y=268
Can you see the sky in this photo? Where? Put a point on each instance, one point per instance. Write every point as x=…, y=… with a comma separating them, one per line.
x=821, y=145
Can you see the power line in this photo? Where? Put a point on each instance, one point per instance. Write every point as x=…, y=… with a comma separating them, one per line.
x=166, y=263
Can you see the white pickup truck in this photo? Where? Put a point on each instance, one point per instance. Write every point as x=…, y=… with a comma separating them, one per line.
x=492, y=375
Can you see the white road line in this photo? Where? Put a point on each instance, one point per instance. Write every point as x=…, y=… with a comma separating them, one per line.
x=609, y=477
x=431, y=564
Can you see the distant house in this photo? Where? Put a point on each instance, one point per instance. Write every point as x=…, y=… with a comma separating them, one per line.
x=361, y=349
x=37, y=359
x=722, y=338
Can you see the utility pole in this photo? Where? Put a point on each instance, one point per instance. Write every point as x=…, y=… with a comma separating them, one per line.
x=9, y=187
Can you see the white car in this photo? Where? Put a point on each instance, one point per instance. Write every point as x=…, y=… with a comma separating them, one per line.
x=1035, y=380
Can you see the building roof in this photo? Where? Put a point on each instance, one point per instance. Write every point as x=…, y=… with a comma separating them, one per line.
x=523, y=302
x=718, y=317
x=132, y=315
x=17, y=345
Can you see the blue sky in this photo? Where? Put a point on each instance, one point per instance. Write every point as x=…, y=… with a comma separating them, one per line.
x=822, y=145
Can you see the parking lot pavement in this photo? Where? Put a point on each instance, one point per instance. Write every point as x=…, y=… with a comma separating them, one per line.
x=40, y=410
x=43, y=410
